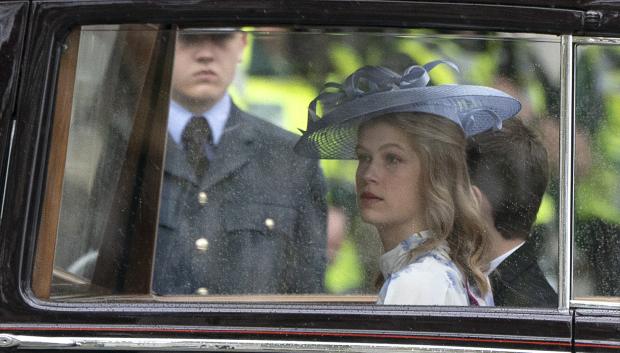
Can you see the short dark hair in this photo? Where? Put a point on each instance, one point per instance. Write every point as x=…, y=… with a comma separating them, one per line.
x=511, y=169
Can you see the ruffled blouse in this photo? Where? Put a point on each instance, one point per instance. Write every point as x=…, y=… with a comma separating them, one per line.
x=431, y=278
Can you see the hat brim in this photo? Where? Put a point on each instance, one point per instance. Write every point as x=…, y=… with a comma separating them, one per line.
x=474, y=108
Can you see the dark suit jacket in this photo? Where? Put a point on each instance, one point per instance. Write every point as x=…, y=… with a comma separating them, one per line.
x=264, y=220
x=518, y=281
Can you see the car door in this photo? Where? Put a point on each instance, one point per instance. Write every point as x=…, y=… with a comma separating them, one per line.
x=85, y=204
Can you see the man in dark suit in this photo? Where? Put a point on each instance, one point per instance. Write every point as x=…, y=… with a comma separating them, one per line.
x=509, y=168
x=240, y=212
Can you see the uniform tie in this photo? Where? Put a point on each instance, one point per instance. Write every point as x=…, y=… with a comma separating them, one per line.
x=197, y=141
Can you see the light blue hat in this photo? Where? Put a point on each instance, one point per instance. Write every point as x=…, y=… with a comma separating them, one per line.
x=373, y=91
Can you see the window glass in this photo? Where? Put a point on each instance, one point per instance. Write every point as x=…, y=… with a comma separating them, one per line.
x=597, y=211
x=117, y=73
x=145, y=210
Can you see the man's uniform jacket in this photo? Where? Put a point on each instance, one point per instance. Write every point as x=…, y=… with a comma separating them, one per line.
x=518, y=281
x=255, y=223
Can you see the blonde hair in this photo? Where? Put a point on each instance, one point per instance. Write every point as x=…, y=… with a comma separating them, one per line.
x=452, y=212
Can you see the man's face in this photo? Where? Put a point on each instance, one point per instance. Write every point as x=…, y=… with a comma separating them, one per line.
x=204, y=67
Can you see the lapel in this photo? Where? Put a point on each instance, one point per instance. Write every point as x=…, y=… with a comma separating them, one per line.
x=176, y=162
x=234, y=150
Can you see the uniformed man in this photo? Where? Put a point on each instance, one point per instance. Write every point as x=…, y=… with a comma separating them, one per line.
x=240, y=212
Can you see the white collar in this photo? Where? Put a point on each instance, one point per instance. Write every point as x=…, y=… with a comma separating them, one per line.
x=397, y=258
x=217, y=116
x=498, y=260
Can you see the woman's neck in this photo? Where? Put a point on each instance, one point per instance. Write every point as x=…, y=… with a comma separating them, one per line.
x=391, y=236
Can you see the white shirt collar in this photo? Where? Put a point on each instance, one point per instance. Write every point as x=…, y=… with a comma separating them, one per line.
x=498, y=260
x=217, y=116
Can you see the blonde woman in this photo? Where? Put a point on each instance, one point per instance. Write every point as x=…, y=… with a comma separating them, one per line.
x=412, y=182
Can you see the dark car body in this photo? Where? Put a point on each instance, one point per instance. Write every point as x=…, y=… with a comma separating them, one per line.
x=31, y=37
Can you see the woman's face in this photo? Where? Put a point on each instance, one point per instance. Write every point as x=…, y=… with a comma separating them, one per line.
x=388, y=179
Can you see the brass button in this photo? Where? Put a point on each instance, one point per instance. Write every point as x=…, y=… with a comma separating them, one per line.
x=202, y=198
x=269, y=223
x=202, y=244
x=202, y=291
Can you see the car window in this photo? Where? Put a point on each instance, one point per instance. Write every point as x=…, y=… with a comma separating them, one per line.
x=131, y=216
x=596, y=222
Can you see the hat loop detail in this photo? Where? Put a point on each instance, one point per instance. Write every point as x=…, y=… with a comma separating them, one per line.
x=468, y=121
x=370, y=80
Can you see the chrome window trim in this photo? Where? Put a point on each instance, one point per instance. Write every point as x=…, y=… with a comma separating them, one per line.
x=504, y=36
x=596, y=40
x=220, y=345
x=566, y=173
x=586, y=304
x=8, y=166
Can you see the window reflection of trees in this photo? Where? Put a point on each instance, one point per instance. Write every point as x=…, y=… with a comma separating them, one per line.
x=526, y=69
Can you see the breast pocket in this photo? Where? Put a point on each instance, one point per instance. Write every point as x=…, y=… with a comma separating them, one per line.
x=258, y=238
x=265, y=219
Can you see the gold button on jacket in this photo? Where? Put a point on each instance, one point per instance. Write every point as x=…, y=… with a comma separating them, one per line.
x=202, y=198
x=202, y=291
x=202, y=244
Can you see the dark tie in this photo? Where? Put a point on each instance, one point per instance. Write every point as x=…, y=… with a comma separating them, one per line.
x=197, y=139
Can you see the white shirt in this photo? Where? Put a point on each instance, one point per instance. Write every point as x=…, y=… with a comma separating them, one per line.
x=178, y=117
x=429, y=279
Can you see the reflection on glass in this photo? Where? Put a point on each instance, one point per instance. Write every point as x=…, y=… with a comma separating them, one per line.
x=281, y=230
x=597, y=163
x=111, y=80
